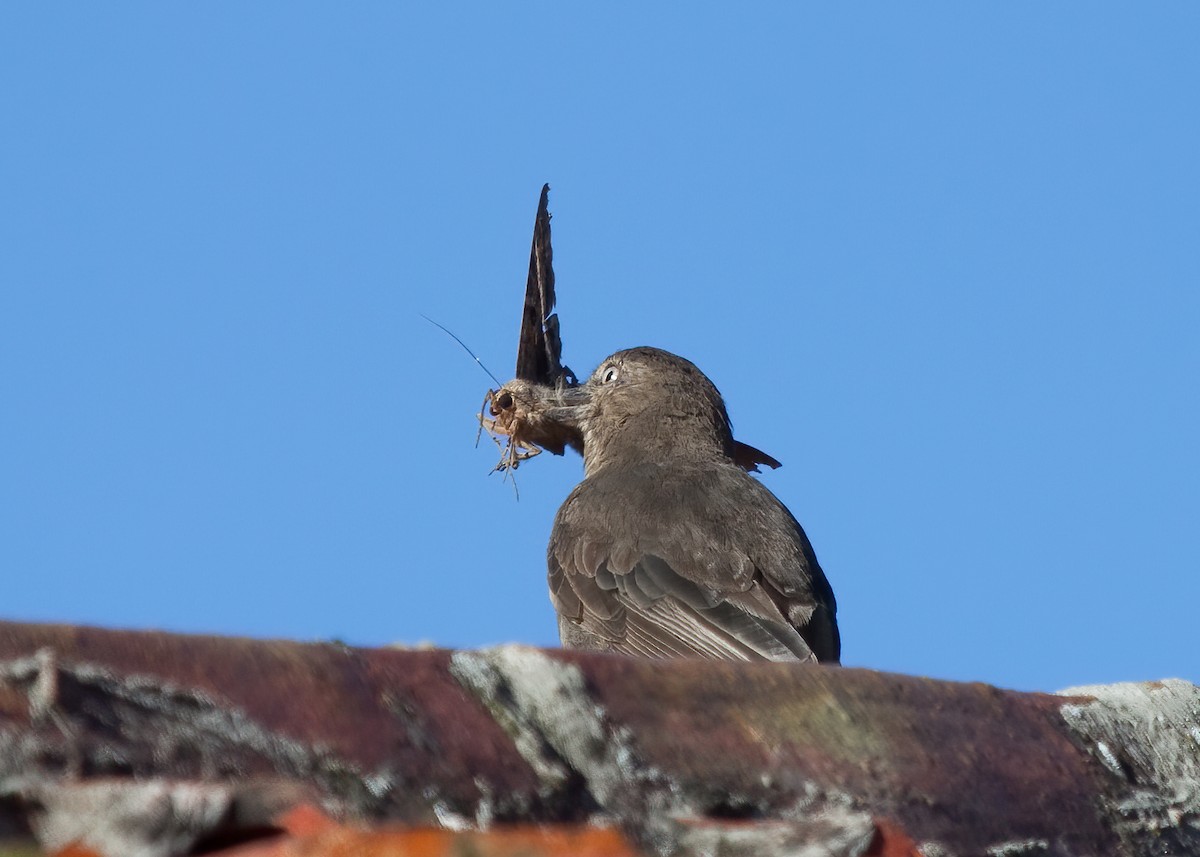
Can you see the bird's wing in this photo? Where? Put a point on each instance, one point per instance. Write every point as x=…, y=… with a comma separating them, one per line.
x=639, y=575
x=652, y=611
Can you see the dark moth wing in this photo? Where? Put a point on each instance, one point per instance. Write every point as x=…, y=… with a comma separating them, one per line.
x=539, y=349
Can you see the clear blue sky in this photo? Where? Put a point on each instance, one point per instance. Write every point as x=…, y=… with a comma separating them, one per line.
x=943, y=260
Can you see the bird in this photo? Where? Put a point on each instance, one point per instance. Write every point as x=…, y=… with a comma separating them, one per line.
x=668, y=547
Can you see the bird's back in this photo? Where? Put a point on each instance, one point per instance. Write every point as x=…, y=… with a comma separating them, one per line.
x=694, y=557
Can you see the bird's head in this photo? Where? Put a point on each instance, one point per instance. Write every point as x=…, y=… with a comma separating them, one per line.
x=646, y=402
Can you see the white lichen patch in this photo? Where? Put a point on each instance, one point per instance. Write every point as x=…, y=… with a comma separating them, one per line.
x=1145, y=735
x=557, y=727
x=1019, y=848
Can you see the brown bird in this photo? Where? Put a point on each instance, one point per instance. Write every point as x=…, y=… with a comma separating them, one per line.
x=669, y=547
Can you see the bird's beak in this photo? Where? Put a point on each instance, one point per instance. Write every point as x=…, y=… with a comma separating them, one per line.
x=566, y=406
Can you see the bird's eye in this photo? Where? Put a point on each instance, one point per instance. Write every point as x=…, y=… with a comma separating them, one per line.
x=610, y=375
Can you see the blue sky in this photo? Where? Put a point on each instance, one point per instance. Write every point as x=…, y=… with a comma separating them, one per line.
x=941, y=258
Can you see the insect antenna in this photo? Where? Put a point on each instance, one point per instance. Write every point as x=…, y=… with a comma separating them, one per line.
x=504, y=464
x=448, y=332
